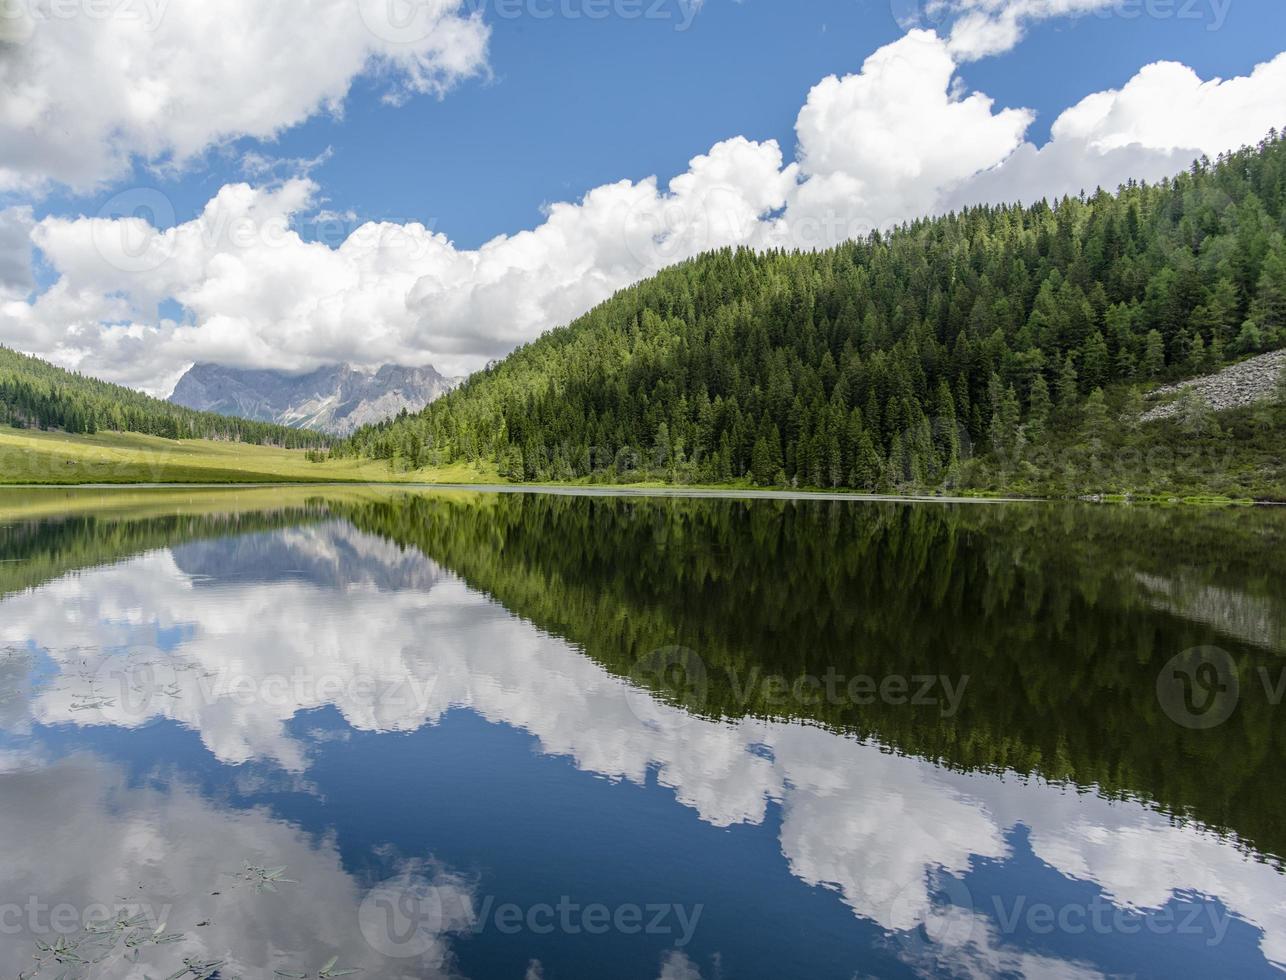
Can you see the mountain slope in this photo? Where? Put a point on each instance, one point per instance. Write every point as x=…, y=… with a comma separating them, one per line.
x=36, y=394
x=336, y=399
x=1013, y=335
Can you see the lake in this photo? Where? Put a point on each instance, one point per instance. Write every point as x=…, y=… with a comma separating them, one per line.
x=301, y=732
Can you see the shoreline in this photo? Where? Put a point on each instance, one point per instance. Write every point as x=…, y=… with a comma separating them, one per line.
x=644, y=492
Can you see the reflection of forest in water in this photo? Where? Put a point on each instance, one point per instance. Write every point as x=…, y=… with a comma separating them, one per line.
x=1059, y=616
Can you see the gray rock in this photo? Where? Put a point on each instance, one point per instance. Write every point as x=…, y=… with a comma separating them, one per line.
x=337, y=399
x=1253, y=380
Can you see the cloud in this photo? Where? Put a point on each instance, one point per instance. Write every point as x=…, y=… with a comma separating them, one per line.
x=15, y=252
x=879, y=146
x=987, y=27
x=898, y=140
x=94, y=839
x=1167, y=106
x=675, y=965
x=86, y=86
x=1154, y=126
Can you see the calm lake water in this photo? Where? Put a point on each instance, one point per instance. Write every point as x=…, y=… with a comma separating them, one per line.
x=301, y=732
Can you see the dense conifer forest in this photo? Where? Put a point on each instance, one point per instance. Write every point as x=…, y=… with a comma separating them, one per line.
x=997, y=346
x=36, y=394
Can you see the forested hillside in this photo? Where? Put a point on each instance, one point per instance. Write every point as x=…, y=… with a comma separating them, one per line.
x=1020, y=336
x=35, y=394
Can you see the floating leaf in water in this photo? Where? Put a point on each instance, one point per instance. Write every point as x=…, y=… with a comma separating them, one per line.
x=265, y=879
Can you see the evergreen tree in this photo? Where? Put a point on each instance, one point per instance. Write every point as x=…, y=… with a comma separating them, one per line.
x=1096, y=362
x=1094, y=426
x=1068, y=387
x=1038, y=413
x=1153, y=363
x=1269, y=308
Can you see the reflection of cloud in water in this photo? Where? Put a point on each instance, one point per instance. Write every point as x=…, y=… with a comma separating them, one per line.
x=869, y=824
x=88, y=838
x=15, y=689
x=333, y=555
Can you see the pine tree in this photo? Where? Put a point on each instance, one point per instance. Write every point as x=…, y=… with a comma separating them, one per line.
x=1096, y=362
x=661, y=447
x=1197, y=359
x=1038, y=412
x=1153, y=362
x=1004, y=423
x=1094, y=426
x=867, y=465
x=1067, y=386
x=1269, y=308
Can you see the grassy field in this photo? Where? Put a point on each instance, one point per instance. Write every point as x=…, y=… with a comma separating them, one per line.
x=1242, y=460
x=28, y=456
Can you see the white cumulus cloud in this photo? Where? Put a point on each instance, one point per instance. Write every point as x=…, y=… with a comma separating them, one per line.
x=86, y=86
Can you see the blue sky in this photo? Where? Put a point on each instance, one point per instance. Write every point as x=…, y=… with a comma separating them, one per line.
x=546, y=109
x=576, y=102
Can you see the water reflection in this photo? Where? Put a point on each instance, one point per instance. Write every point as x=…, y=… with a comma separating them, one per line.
x=235, y=637
x=81, y=839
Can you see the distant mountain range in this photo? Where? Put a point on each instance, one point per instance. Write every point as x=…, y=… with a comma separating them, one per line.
x=336, y=399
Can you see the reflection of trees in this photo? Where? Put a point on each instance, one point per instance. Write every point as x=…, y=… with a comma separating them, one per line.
x=1052, y=612
x=35, y=552
x=1041, y=607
